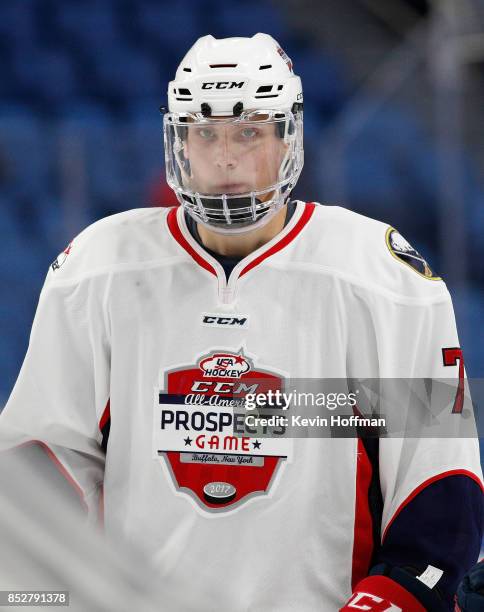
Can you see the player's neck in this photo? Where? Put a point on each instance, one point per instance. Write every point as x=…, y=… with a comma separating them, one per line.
x=241, y=245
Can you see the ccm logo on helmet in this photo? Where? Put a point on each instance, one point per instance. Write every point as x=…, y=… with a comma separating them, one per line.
x=223, y=85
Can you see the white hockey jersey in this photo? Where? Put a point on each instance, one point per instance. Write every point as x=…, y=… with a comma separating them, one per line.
x=138, y=331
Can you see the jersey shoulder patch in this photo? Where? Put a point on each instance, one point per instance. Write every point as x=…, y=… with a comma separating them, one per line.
x=404, y=252
x=129, y=238
x=61, y=258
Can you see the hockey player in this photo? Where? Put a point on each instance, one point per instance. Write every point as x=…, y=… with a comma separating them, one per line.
x=153, y=325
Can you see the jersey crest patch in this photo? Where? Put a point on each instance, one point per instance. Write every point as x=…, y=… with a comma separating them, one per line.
x=200, y=434
x=404, y=252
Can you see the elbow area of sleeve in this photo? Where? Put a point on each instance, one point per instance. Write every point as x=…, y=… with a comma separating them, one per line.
x=441, y=526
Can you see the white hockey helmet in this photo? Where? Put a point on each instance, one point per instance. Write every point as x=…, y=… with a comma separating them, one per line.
x=233, y=132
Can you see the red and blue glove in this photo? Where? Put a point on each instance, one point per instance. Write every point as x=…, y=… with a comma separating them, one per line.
x=394, y=589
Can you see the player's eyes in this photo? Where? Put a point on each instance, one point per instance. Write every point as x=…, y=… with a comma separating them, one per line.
x=243, y=134
x=249, y=133
x=206, y=133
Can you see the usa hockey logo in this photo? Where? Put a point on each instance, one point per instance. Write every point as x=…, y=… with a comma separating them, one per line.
x=208, y=452
x=225, y=365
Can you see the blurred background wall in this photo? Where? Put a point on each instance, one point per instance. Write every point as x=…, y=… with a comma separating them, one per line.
x=394, y=127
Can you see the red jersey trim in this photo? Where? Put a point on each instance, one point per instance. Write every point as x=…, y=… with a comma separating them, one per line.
x=182, y=241
x=283, y=242
x=106, y=416
x=363, y=530
x=424, y=485
x=306, y=215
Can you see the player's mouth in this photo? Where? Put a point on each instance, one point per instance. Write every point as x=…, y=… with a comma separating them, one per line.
x=231, y=188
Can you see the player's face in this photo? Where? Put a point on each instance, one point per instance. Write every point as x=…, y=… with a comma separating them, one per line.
x=233, y=158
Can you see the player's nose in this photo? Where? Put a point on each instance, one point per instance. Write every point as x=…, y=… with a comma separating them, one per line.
x=225, y=163
x=225, y=155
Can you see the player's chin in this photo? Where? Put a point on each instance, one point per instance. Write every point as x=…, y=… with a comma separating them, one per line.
x=265, y=197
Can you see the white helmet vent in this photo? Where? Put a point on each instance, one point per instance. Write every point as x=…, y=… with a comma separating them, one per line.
x=223, y=65
x=265, y=67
